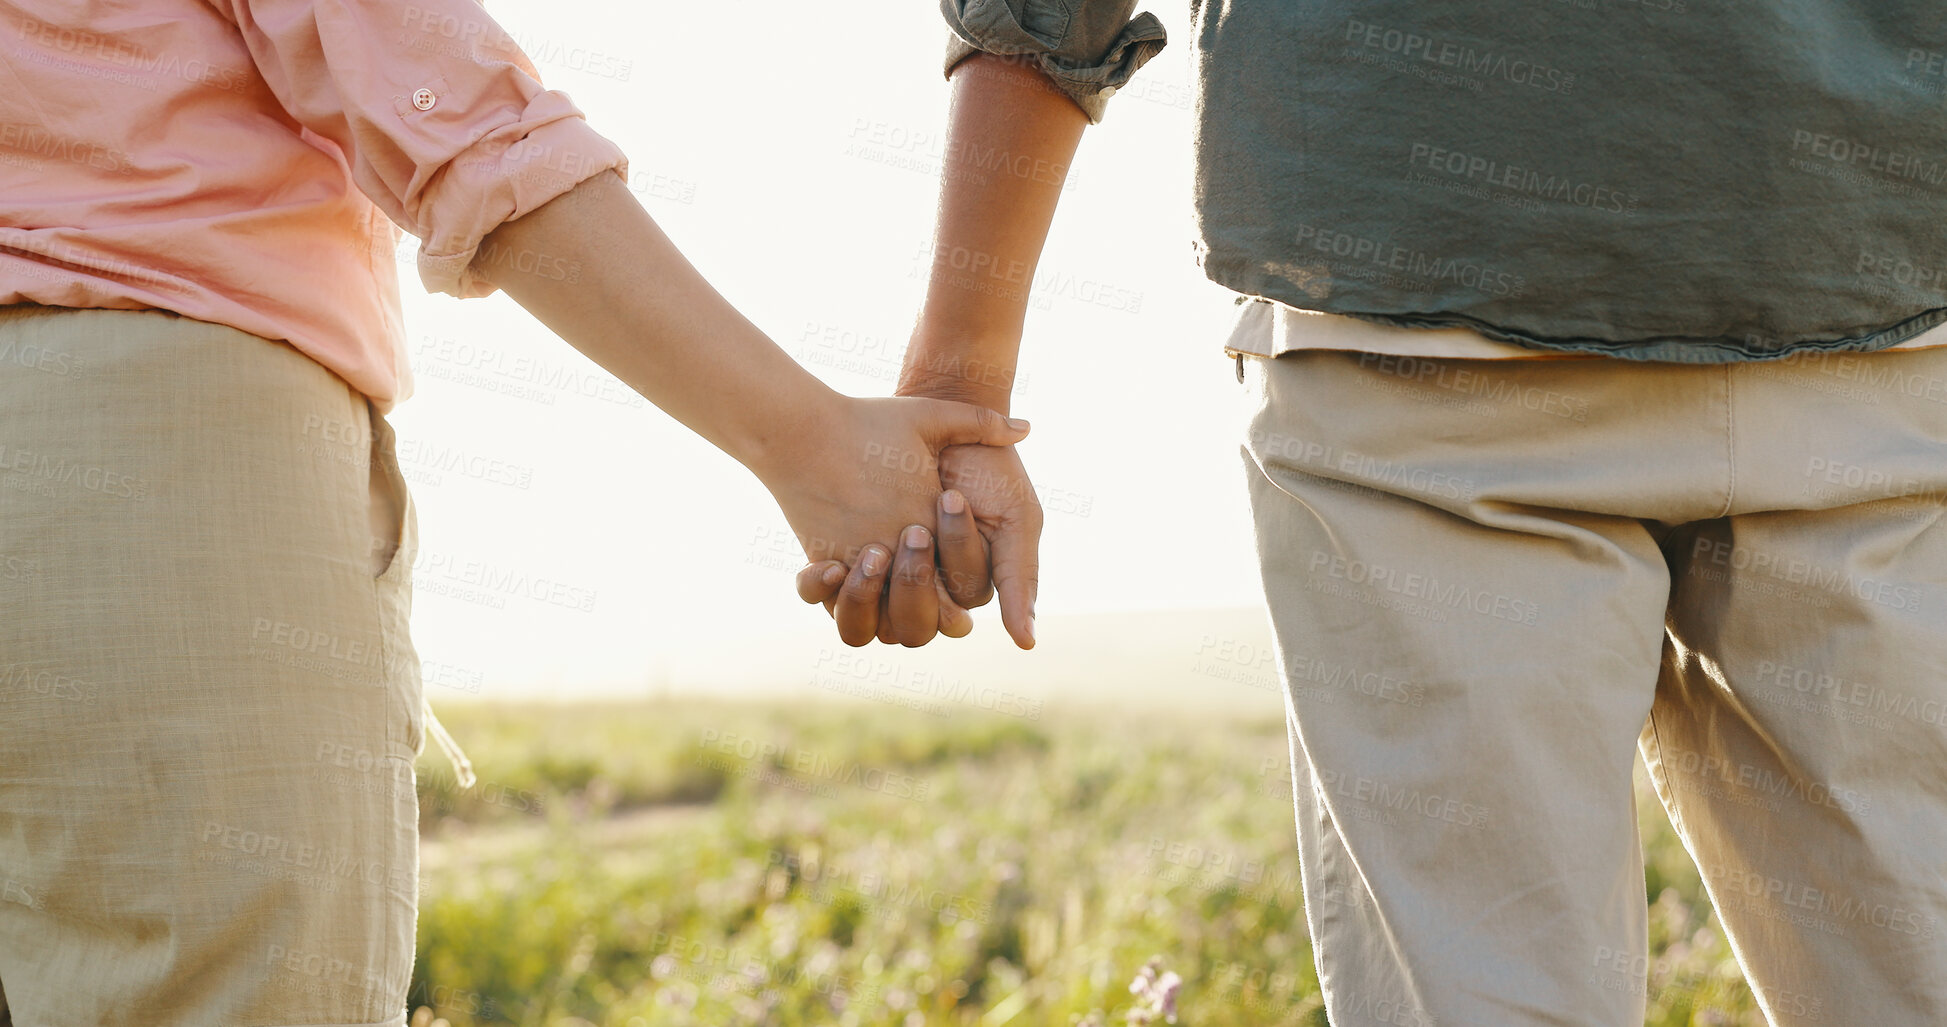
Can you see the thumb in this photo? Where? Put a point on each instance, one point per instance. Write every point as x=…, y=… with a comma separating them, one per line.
x=951, y=423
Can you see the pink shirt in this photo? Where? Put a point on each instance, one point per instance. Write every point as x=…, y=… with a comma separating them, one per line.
x=237, y=161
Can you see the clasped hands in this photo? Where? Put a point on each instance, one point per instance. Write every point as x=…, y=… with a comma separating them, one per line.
x=912, y=511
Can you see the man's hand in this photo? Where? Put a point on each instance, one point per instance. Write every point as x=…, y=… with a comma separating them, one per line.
x=1008, y=515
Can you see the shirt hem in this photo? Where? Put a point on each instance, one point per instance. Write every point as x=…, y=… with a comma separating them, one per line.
x=1401, y=334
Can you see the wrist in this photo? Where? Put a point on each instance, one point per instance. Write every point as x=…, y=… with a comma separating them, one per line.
x=785, y=435
x=959, y=369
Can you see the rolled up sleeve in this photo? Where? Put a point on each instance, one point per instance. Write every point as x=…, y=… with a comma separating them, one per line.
x=1090, y=48
x=442, y=120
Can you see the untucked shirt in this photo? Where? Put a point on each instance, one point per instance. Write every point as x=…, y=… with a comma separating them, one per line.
x=1679, y=180
x=245, y=162
x=1267, y=329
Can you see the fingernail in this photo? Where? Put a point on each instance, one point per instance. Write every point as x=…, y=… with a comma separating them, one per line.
x=953, y=502
x=1017, y=424
x=872, y=561
x=915, y=537
x=834, y=574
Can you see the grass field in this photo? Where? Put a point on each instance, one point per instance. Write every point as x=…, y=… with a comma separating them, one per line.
x=791, y=864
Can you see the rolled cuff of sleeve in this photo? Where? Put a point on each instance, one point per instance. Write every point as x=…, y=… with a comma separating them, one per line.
x=507, y=173
x=1088, y=70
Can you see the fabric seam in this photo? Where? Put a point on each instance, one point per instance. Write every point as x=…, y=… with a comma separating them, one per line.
x=1730, y=445
x=1656, y=738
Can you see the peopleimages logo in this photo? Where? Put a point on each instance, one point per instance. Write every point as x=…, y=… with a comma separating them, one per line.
x=1900, y=270
x=1471, y=381
x=1425, y=587
x=1362, y=468
x=496, y=581
x=1853, y=153
x=1866, y=695
x=1369, y=683
x=87, y=476
x=1765, y=780
x=1804, y=572
x=1823, y=902
x=1417, y=263
x=1523, y=180
x=38, y=142
x=113, y=50
x=1384, y=795
x=1460, y=56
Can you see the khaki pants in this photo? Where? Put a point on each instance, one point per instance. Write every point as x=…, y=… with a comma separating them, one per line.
x=211, y=705
x=1494, y=583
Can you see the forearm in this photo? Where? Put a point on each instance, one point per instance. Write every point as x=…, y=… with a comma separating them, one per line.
x=633, y=304
x=992, y=222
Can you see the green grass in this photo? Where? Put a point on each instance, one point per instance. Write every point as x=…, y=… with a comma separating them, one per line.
x=650, y=864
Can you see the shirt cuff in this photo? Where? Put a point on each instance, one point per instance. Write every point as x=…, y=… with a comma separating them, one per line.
x=1089, y=79
x=506, y=174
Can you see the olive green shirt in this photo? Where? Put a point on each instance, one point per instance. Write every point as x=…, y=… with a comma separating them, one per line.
x=1685, y=180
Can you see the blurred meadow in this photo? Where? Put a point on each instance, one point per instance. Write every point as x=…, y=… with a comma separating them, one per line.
x=698, y=862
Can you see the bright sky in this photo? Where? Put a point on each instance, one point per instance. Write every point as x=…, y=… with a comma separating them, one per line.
x=792, y=152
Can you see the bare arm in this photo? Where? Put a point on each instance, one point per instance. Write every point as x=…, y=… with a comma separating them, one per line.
x=1010, y=138
x=1011, y=135
x=849, y=473
x=610, y=282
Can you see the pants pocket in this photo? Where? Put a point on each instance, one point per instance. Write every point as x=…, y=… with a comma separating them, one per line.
x=393, y=506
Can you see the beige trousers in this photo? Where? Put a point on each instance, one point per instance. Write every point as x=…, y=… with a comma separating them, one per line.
x=210, y=703
x=1494, y=583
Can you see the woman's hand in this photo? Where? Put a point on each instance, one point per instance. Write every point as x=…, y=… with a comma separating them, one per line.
x=859, y=491
x=969, y=571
